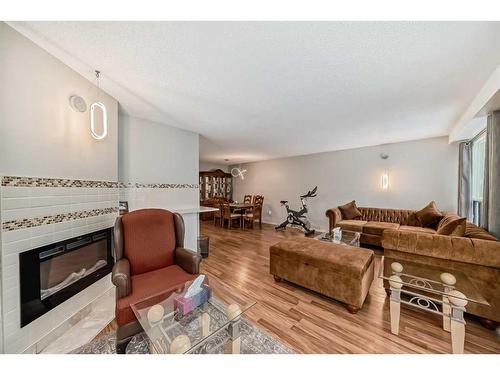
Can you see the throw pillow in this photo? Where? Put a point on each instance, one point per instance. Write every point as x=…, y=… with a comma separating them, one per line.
x=429, y=216
x=473, y=231
x=350, y=211
x=452, y=225
x=447, y=219
x=413, y=220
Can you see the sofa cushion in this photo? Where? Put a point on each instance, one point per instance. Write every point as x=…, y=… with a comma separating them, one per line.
x=378, y=227
x=352, y=225
x=370, y=239
x=149, y=239
x=486, y=252
x=473, y=231
x=429, y=216
x=350, y=211
x=409, y=228
x=150, y=284
x=389, y=215
x=452, y=225
x=455, y=249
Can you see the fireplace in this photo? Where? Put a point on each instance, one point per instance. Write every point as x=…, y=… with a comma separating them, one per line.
x=51, y=274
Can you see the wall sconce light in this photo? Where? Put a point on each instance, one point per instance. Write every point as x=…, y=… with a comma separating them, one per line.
x=384, y=177
x=238, y=172
x=98, y=105
x=384, y=180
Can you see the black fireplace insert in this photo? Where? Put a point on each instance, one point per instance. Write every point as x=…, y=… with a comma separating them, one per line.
x=51, y=274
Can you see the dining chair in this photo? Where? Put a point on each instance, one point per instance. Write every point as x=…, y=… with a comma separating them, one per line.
x=218, y=214
x=246, y=200
x=256, y=212
x=229, y=216
x=258, y=199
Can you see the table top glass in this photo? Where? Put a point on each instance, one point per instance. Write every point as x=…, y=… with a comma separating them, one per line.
x=241, y=205
x=427, y=278
x=198, y=326
x=348, y=238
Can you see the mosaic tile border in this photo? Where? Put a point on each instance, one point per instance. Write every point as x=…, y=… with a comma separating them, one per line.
x=126, y=185
x=11, y=225
x=16, y=181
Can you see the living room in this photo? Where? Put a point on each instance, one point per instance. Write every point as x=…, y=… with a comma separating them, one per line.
x=246, y=186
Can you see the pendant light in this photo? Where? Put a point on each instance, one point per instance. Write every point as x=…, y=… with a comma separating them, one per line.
x=102, y=107
x=238, y=172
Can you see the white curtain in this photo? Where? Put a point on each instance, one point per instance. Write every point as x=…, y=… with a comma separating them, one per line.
x=464, y=179
x=491, y=202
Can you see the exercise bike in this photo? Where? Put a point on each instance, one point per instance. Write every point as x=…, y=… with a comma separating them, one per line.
x=298, y=218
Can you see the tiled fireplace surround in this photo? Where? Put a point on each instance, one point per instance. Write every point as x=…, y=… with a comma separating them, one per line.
x=39, y=211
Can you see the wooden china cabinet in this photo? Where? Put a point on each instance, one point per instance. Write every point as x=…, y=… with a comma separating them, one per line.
x=215, y=186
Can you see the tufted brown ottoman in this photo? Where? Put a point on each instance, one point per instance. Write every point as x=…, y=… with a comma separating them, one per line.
x=339, y=271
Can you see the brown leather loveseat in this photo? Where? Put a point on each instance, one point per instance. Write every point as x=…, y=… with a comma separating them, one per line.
x=150, y=259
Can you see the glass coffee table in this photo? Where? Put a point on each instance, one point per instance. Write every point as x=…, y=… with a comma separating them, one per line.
x=348, y=238
x=204, y=330
x=433, y=289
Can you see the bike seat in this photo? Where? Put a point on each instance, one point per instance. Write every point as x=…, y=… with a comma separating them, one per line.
x=283, y=202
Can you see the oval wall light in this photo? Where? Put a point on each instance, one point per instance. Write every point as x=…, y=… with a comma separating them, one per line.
x=104, y=112
x=98, y=105
x=384, y=181
x=384, y=177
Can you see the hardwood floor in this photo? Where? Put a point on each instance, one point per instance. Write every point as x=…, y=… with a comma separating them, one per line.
x=311, y=323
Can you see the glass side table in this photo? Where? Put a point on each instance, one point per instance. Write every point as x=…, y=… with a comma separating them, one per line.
x=433, y=289
x=171, y=332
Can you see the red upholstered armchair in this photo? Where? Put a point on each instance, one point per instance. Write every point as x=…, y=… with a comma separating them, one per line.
x=150, y=259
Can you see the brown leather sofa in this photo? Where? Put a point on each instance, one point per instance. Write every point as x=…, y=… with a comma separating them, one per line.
x=477, y=258
x=374, y=221
x=477, y=254
x=150, y=259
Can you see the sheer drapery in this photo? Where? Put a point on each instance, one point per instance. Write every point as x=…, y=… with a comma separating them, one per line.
x=491, y=209
x=464, y=179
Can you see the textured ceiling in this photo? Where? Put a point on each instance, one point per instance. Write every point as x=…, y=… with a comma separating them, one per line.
x=259, y=90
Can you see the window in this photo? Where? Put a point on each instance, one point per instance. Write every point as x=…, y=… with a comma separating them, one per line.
x=478, y=158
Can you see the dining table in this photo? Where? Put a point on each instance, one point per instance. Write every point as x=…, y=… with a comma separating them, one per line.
x=241, y=207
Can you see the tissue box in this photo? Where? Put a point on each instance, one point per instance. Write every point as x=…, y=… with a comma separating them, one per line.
x=186, y=305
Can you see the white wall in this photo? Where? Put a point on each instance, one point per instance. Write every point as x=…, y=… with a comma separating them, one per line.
x=156, y=153
x=41, y=136
x=151, y=153
x=419, y=171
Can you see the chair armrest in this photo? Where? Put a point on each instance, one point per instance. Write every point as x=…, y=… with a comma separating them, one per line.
x=120, y=277
x=188, y=260
x=334, y=216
